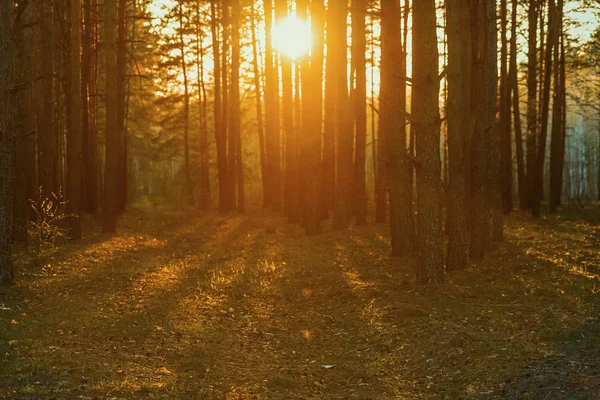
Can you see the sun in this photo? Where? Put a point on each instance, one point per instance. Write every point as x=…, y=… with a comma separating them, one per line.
x=292, y=37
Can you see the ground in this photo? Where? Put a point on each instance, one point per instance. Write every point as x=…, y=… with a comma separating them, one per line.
x=187, y=305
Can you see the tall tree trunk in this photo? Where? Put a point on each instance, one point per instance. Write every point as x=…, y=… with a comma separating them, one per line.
x=506, y=182
x=551, y=41
x=312, y=103
x=74, y=134
x=220, y=134
x=378, y=144
x=7, y=136
x=25, y=177
x=291, y=198
x=343, y=131
x=328, y=173
x=486, y=206
x=202, y=108
x=189, y=190
x=460, y=131
x=425, y=111
x=393, y=127
x=532, y=118
x=47, y=145
x=514, y=83
x=359, y=49
x=272, y=113
x=111, y=168
x=235, y=132
x=259, y=113
x=230, y=200
x=121, y=105
x=556, y=150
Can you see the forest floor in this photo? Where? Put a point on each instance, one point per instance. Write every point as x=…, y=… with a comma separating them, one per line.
x=188, y=305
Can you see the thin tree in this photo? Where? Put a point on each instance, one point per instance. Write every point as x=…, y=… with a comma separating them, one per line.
x=235, y=115
x=426, y=124
x=109, y=223
x=47, y=139
x=532, y=118
x=74, y=133
x=359, y=49
x=557, y=141
x=189, y=190
x=504, y=122
x=514, y=84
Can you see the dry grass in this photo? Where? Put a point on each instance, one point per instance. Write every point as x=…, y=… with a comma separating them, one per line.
x=204, y=306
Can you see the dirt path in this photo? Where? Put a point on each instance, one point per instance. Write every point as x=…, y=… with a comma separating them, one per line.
x=246, y=307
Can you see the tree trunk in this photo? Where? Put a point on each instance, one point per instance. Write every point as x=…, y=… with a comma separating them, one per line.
x=189, y=190
x=328, y=175
x=259, y=113
x=74, y=133
x=121, y=106
x=291, y=199
x=359, y=49
x=220, y=134
x=272, y=113
x=506, y=182
x=551, y=41
x=532, y=119
x=459, y=131
x=393, y=128
x=514, y=83
x=202, y=108
x=312, y=103
x=343, y=132
x=25, y=185
x=234, y=131
x=47, y=145
x=426, y=124
x=111, y=168
x=7, y=137
x=556, y=146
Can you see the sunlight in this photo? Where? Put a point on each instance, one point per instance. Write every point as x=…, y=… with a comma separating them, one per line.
x=292, y=37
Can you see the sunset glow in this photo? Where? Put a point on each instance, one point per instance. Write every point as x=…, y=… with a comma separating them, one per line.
x=292, y=37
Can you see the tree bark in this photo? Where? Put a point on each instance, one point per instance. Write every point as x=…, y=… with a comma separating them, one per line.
x=393, y=128
x=359, y=49
x=7, y=137
x=506, y=182
x=337, y=50
x=220, y=135
x=111, y=170
x=74, y=133
x=532, y=118
x=426, y=124
x=460, y=131
x=235, y=129
x=557, y=142
x=514, y=83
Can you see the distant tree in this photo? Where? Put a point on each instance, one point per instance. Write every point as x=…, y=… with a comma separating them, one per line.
x=237, y=164
x=532, y=118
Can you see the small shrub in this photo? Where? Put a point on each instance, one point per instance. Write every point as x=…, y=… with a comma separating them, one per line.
x=47, y=228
